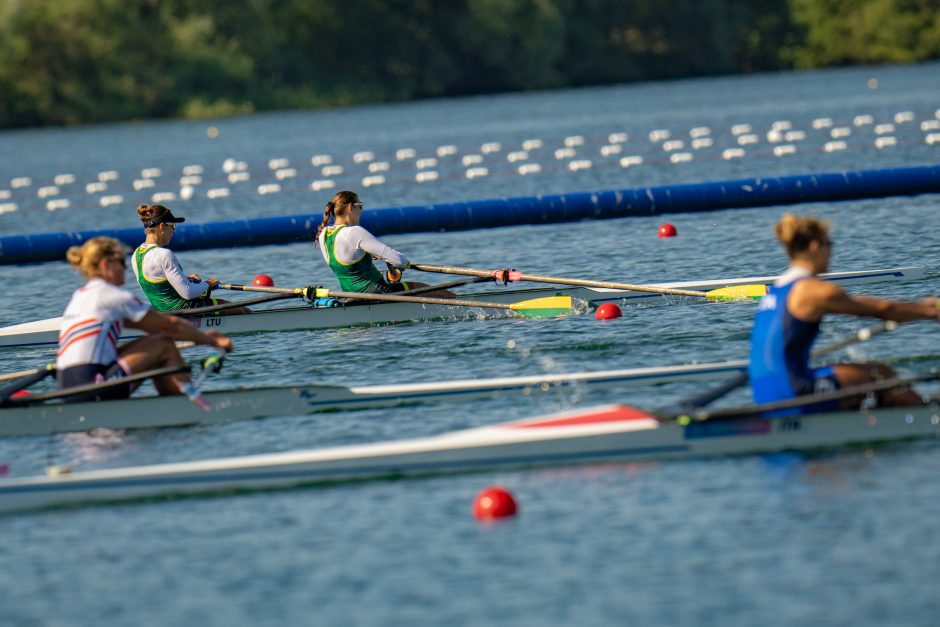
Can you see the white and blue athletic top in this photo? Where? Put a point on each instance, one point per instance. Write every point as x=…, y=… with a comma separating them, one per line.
x=780, y=350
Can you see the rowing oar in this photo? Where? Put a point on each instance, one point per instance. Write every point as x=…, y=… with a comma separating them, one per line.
x=24, y=379
x=209, y=309
x=532, y=308
x=736, y=292
x=710, y=396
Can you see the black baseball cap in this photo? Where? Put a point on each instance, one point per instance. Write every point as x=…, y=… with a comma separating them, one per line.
x=164, y=215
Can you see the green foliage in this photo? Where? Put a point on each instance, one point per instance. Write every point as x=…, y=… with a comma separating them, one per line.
x=79, y=61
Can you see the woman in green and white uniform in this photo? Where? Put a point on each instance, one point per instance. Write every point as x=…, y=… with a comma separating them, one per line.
x=158, y=271
x=349, y=249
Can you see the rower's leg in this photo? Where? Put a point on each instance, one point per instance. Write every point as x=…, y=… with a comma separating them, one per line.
x=154, y=351
x=859, y=374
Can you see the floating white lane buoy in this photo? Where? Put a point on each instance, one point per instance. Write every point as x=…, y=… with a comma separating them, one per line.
x=884, y=129
x=930, y=125
x=794, y=136
x=241, y=166
x=317, y=186
x=840, y=131
x=446, y=151
x=659, y=135
x=114, y=199
x=332, y=170
x=774, y=136
x=217, y=192
x=702, y=142
x=8, y=207
x=473, y=173
x=611, y=149
x=835, y=146
x=363, y=156
x=529, y=168
x=574, y=140
x=561, y=153
x=746, y=140
x=192, y=179
x=405, y=153
x=95, y=188
x=318, y=160
x=517, y=155
x=821, y=123
x=371, y=181
x=732, y=153
x=426, y=176
x=63, y=179
x=740, y=129
x=238, y=177
x=285, y=173
x=489, y=147
x=269, y=188
x=379, y=166
x=673, y=144
x=186, y=192
x=932, y=138
x=163, y=197
x=700, y=131
x=21, y=181
x=278, y=164
x=903, y=116
x=862, y=120
x=469, y=160
x=58, y=203
x=626, y=162
x=48, y=190
x=140, y=184
x=427, y=162
x=885, y=141
x=785, y=149
x=781, y=125
x=532, y=144
x=151, y=173
x=4, y=194
x=192, y=170
x=228, y=165
x=617, y=138
x=680, y=157
x=108, y=175
x=580, y=164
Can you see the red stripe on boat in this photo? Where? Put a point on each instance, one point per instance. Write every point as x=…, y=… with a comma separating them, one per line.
x=606, y=414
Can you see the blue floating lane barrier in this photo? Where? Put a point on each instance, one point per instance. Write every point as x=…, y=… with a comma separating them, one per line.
x=645, y=201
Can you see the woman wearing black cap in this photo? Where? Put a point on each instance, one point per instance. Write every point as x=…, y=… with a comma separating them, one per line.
x=158, y=271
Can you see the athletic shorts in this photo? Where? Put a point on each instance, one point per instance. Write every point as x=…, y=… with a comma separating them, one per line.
x=94, y=373
x=205, y=301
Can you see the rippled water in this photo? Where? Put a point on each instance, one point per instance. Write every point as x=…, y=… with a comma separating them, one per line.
x=786, y=539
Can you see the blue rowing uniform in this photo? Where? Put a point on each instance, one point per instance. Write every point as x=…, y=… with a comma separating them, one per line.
x=780, y=352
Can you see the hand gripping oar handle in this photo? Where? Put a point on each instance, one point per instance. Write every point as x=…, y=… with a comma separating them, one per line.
x=514, y=275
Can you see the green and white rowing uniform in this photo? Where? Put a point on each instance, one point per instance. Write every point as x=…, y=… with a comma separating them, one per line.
x=162, y=280
x=349, y=250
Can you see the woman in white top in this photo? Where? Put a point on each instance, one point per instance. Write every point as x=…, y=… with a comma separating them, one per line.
x=159, y=272
x=88, y=349
x=349, y=249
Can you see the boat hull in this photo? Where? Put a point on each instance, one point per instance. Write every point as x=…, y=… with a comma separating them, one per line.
x=44, y=332
x=602, y=434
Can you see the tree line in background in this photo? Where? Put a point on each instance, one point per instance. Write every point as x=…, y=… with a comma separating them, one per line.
x=80, y=61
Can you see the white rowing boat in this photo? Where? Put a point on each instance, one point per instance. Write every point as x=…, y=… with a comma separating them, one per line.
x=245, y=404
x=309, y=317
x=600, y=434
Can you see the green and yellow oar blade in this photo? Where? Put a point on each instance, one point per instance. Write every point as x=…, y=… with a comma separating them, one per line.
x=546, y=307
x=738, y=292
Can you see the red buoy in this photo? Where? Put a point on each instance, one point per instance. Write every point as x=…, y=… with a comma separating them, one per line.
x=667, y=230
x=263, y=280
x=607, y=311
x=21, y=394
x=494, y=502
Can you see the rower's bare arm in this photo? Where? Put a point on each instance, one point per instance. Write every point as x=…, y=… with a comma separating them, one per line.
x=179, y=329
x=837, y=301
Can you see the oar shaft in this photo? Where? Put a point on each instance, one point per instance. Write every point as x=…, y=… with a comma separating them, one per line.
x=521, y=276
x=94, y=387
x=257, y=288
x=398, y=298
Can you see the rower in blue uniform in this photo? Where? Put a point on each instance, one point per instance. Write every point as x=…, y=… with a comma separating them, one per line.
x=788, y=319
